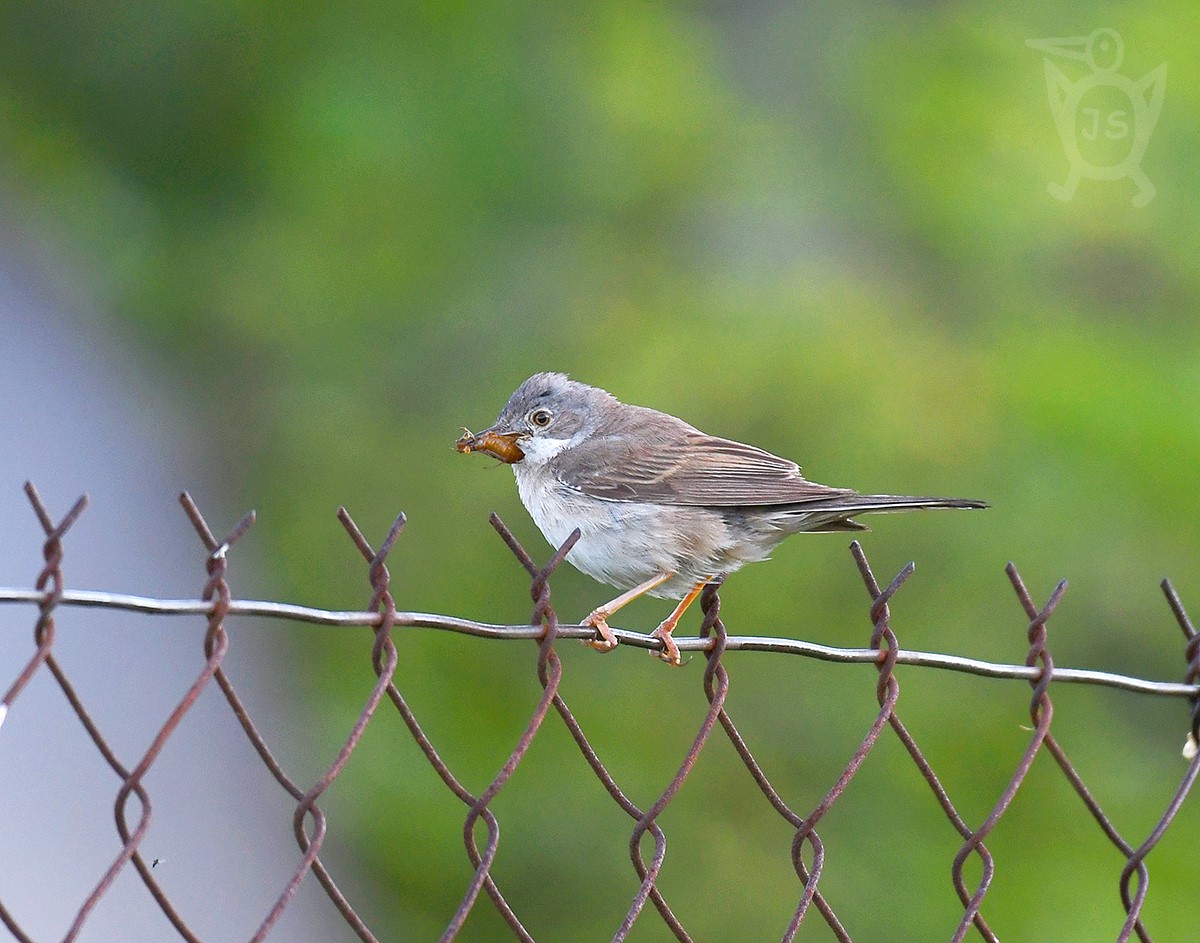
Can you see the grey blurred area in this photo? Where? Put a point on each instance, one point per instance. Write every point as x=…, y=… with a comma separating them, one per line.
x=80, y=414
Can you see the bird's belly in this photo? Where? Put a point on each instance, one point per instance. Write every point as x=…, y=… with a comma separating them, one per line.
x=624, y=543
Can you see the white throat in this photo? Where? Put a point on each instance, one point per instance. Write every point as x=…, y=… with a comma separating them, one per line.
x=540, y=449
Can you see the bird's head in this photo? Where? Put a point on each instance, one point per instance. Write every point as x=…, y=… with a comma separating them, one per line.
x=547, y=413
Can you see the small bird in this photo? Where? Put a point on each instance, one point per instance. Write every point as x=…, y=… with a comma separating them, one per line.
x=662, y=508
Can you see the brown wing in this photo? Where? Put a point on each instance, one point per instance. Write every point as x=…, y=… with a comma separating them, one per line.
x=658, y=458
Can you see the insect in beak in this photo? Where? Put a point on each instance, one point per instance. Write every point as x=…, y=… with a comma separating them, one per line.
x=500, y=445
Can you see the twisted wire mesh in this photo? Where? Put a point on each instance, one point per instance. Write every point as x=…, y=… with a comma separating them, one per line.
x=808, y=852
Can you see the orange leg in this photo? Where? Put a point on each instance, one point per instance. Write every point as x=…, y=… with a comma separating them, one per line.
x=670, y=651
x=599, y=617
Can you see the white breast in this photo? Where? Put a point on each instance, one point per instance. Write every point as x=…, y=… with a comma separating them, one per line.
x=624, y=543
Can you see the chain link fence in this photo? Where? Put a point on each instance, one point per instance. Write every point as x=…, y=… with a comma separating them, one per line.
x=808, y=852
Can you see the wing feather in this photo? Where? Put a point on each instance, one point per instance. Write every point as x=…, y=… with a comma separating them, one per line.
x=658, y=458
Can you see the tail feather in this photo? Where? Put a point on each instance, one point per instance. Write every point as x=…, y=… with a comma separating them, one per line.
x=835, y=513
x=861, y=503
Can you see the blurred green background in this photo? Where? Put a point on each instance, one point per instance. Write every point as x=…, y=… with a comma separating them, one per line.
x=340, y=233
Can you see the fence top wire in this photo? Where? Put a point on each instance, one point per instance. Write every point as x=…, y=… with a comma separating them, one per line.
x=733, y=643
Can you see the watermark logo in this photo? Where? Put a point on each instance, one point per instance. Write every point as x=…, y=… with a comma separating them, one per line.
x=1104, y=119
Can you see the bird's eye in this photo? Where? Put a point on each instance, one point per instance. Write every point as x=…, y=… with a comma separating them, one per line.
x=540, y=417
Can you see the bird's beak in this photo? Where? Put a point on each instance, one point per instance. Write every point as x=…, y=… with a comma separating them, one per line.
x=1071, y=47
x=501, y=445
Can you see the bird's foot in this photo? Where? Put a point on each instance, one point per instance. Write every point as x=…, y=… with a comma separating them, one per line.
x=604, y=641
x=670, y=651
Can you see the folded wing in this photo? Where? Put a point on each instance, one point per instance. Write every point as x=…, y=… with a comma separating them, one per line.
x=674, y=463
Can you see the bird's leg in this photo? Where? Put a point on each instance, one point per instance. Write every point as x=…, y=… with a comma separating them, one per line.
x=670, y=651
x=598, y=619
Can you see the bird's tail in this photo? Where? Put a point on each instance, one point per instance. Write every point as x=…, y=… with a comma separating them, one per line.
x=835, y=513
x=851, y=504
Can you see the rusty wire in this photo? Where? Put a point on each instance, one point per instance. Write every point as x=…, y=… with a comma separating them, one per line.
x=381, y=616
